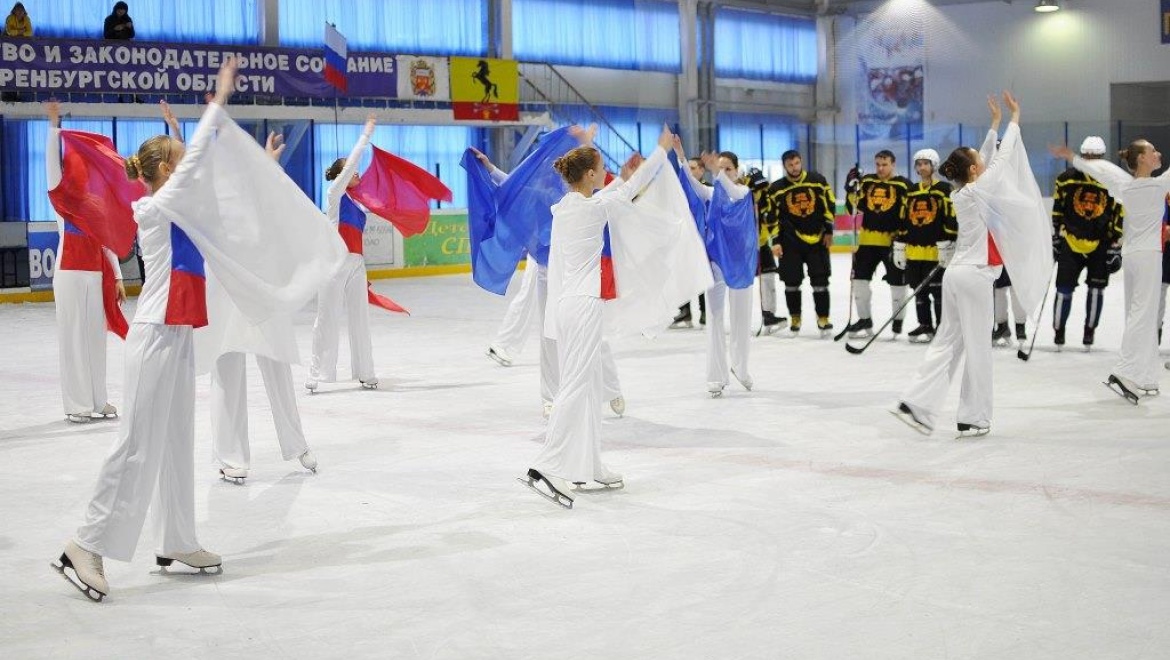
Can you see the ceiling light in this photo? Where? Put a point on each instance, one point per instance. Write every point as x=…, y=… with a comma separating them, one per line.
x=1046, y=6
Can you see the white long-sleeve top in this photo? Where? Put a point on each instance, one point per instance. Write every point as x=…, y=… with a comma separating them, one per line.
x=339, y=185
x=1144, y=200
x=574, y=260
x=154, y=227
x=971, y=204
x=736, y=191
x=53, y=173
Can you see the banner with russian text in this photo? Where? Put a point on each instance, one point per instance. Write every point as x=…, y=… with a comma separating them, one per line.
x=87, y=66
x=485, y=89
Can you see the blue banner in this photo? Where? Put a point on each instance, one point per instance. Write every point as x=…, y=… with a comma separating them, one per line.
x=83, y=66
x=1165, y=22
x=42, y=254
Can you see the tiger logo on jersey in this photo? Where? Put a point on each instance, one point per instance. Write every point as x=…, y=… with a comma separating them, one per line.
x=879, y=198
x=1088, y=203
x=922, y=211
x=801, y=203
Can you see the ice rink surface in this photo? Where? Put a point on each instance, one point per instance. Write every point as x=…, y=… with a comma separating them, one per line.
x=799, y=520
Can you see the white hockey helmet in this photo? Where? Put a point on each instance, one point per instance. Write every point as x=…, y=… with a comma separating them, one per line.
x=927, y=154
x=1093, y=146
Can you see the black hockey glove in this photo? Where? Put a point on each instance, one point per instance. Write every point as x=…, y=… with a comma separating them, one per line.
x=1057, y=243
x=1113, y=259
x=853, y=179
x=756, y=179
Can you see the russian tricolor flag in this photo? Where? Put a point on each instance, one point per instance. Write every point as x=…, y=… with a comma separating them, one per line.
x=336, y=55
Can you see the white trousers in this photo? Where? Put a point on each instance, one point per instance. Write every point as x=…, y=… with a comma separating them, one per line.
x=572, y=443
x=229, y=410
x=1001, y=306
x=1138, y=358
x=768, y=292
x=346, y=294
x=81, y=340
x=739, y=302
x=513, y=332
x=964, y=332
x=152, y=464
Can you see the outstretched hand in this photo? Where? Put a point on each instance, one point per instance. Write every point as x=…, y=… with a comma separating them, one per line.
x=710, y=161
x=584, y=136
x=666, y=138
x=275, y=145
x=631, y=164
x=481, y=157
x=1013, y=105
x=1061, y=151
x=996, y=112
x=53, y=110
x=678, y=149
x=371, y=122
x=225, y=83
x=171, y=120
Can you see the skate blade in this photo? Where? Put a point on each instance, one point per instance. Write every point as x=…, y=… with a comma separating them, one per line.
x=499, y=360
x=195, y=570
x=239, y=481
x=716, y=395
x=909, y=420
x=1120, y=390
x=597, y=486
x=367, y=386
x=556, y=497
x=973, y=433
x=90, y=593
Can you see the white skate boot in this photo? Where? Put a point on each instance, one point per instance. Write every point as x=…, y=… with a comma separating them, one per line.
x=311, y=385
x=547, y=410
x=715, y=389
x=233, y=474
x=89, y=576
x=746, y=382
x=82, y=418
x=309, y=461
x=108, y=411
x=618, y=406
x=370, y=383
x=499, y=355
x=200, y=559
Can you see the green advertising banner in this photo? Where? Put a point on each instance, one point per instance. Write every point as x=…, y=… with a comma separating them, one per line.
x=444, y=243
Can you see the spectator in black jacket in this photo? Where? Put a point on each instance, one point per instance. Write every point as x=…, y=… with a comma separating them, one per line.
x=118, y=23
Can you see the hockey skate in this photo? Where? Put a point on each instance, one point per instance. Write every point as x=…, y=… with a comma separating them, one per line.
x=906, y=414
x=1058, y=339
x=89, y=576
x=746, y=382
x=233, y=475
x=545, y=488
x=370, y=383
x=83, y=418
x=860, y=329
x=1087, y=340
x=715, y=389
x=311, y=385
x=201, y=559
x=108, y=411
x=618, y=406
x=772, y=322
x=1122, y=389
x=682, y=319
x=794, y=325
x=824, y=327
x=921, y=335
x=971, y=430
x=1166, y=366
x=1002, y=335
x=308, y=461
x=896, y=327
x=1021, y=333
x=499, y=355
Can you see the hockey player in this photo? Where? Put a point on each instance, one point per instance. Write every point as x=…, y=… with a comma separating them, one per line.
x=1087, y=230
x=1144, y=199
x=881, y=199
x=82, y=265
x=767, y=270
x=998, y=211
x=347, y=293
x=801, y=207
x=927, y=234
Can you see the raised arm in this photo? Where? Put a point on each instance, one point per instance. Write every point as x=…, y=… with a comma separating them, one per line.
x=337, y=188
x=645, y=173
x=53, y=145
x=171, y=121
x=736, y=191
x=1104, y=171
x=498, y=176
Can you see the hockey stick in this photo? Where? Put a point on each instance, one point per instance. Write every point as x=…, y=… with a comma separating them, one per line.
x=852, y=262
x=925, y=282
x=1036, y=333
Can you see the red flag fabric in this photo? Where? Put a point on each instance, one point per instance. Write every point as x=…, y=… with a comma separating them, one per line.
x=382, y=301
x=115, y=321
x=399, y=191
x=94, y=194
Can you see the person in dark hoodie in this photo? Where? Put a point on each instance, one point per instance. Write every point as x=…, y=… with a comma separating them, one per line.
x=118, y=23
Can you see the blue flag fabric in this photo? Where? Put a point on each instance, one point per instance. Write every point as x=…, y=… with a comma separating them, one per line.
x=697, y=205
x=732, y=238
x=507, y=221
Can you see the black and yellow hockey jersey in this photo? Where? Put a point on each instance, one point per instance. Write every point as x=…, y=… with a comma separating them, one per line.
x=930, y=218
x=803, y=208
x=1084, y=212
x=883, y=208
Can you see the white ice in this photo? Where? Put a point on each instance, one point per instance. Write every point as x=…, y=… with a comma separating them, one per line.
x=799, y=520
